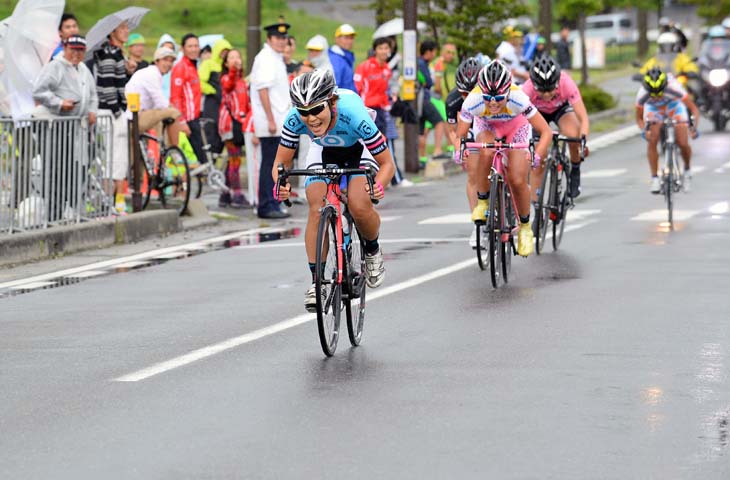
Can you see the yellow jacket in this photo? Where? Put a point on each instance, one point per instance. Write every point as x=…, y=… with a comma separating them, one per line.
x=679, y=64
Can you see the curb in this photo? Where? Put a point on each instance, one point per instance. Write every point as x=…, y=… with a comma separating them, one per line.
x=52, y=242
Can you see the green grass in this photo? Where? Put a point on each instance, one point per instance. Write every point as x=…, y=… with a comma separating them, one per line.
x=228, y=17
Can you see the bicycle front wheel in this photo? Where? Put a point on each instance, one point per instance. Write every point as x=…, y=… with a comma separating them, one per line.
x=542, y=210
x=494, y=231
x=482, y=242
x=327, y=285
x=669, y=185
x=510, y=223
x=356, y=273
x=149, y=174
x=559, y=198
x=176, y=182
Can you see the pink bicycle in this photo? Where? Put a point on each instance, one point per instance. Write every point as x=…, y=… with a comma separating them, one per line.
x=498, y=230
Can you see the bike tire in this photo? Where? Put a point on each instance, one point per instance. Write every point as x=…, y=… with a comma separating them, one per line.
x=199, y=186
x=326, y=284
x=542, y=210
x=494, y=232
x=357, y=286
x=150, y=167
x=507, y=250
x=669, y=185
x=177, y=180
x=560, y=198
x=482, y=242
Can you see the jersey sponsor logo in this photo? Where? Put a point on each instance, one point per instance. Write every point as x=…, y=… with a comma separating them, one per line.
x=527, y=110
x=340, y=132
x=293, y=122
x=178, y=81
x=332, y=141
x=365, y=129
x=345, y=119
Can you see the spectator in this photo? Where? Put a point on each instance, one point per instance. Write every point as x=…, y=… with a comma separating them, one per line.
x=234, y=112
x=444, y=68
x=205, y=54
x=562, y=49
x=540, y=49
x=210, y=85
x=269, y=105
x=110, y=70
x=154, y=107
x=67, y=27
x=371, y=80
x=291, y=65
x=507, y=54
x=317, y=52
x=135, y=49
x=428, y=111
x=342, y=58
x=185, y=93
x=166, y=40
x=305, y=67
x=65, y=87
x=529, y=46
x=392, y=131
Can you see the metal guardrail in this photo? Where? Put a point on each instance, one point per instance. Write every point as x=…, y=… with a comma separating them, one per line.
x=54, y=171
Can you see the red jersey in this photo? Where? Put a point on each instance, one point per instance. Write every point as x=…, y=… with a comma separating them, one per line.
x=235, y=101
x=185, y=94
x=371, y=80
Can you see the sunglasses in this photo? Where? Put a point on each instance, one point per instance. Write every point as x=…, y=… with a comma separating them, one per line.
x=316, y=110
x=548, y=90
x=656, y=94
x=496, y=98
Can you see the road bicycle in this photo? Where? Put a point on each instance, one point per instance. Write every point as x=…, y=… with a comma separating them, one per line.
x=502, y=222
x=166, y=171
x=340, y=278
x=671, y=174
x=553, y=199
x=207, y=172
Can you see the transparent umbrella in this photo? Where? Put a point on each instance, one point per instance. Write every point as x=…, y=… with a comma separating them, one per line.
x=98, y=33
x=393, y=27
x=29, y=38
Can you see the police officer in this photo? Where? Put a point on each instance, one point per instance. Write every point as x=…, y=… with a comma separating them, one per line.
x=270, y=104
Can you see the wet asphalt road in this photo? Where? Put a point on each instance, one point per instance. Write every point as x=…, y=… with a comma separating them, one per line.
x=607, y=359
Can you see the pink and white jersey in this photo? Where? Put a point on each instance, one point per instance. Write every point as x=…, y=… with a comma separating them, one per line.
x=515, y=113
x=567, y=92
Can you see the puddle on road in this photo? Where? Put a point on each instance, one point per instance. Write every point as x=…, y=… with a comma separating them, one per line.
x=62, y=281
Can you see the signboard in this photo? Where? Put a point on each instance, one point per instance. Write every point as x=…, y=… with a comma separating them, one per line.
x=595, y=53
x=409, y=55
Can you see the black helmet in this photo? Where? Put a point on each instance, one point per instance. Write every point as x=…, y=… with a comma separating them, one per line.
x=467, y=73
x=655, y=81
x=312, y=88
x=545, y=74
x=495, y=78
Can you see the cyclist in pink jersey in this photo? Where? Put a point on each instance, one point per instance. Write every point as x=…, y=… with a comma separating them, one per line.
x=499, y=109
x=557, y=97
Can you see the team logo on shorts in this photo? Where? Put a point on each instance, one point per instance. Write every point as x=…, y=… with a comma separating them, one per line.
x=365, y=129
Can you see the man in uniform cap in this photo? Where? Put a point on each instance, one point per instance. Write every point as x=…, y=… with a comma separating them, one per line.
x=269, y=104
x=342, y=58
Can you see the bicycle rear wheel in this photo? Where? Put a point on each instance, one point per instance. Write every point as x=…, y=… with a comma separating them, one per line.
x=542, y=210
x=494, y=231
x=356, y=272
x=177, y=180
x=559, y=198
x=150, y=154
x=482, y=245
x=327, y=287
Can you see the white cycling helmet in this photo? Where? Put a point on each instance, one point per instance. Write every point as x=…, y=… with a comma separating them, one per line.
x=668, y=42
x=312, y=88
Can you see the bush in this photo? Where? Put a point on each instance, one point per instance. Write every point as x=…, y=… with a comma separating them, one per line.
x=596, y=99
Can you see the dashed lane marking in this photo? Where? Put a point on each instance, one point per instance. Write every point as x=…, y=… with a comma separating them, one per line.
x=661, y=215
x=607, y=173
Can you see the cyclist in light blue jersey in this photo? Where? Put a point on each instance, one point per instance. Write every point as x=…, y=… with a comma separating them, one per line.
x=344, y=134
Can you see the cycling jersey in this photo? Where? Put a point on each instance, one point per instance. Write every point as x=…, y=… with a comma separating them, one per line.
x=454, y=101
x=354, y=126
x=567, y=92
x=670, y=104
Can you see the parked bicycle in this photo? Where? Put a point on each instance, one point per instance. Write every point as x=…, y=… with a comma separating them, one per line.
x=166, y=171
x=502, y=221
x=671, y=175
x=340, y=280
x=553, y=200
x=207, y=172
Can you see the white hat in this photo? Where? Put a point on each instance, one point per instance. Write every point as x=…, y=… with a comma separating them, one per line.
x=163, y=52
x=345, y=29
x=317, y=42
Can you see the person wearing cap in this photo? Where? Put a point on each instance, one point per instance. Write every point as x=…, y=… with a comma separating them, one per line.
x=342, y=58
x=65, y=87
x=135, y=51
x=507, y=53
x=270, y=104
x=154, y=107
x=317, y=53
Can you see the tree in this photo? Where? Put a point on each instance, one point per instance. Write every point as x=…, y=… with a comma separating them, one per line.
x=643, y=8
x=713, y=11
x=546, y=21
x=578, y=10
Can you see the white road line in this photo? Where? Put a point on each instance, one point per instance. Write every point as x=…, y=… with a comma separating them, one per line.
x=130, y=258
x=234, y=342
x=390, y=219
x=386, y=241
x=33, y=286
x=719, y=208
x=581, y=213
x=661, y=215
x=698, y=169
x=452, y=219
x=611, y=172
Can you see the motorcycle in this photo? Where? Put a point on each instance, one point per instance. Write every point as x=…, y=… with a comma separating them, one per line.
x=714, y=63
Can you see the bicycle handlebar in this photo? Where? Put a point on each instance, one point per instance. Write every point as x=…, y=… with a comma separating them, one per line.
x=333, y=173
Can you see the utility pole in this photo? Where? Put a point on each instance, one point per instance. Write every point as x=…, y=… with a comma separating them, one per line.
x=409, y=82
x=253, y=33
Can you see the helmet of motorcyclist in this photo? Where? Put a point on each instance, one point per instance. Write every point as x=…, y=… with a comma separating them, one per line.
x=726, y=23
x=665, y=24
x=545, y=74
x=716, y=31
x=668, y=42
x=495, y=79
x=312, y=88
x=655, y=81
x=466, y=74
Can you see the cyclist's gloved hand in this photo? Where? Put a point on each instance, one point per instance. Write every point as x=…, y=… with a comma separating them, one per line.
x=282, y=193
x=458, y=159
x=536, y=160
x=694, y=132
x=378, y=190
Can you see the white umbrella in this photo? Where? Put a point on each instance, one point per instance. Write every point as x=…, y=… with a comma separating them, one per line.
x=394, y=27
x=29, y=39
x=209, y=40
x=98, y=33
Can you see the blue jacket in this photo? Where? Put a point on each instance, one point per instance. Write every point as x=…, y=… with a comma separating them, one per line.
x=343, y=62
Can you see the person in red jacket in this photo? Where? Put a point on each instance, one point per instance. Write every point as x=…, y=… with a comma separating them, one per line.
x=235, y=105
x=371, y=80
x=185, y=93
